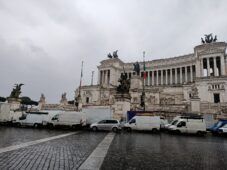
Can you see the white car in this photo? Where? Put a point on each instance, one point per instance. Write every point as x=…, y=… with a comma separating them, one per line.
x=108, y=124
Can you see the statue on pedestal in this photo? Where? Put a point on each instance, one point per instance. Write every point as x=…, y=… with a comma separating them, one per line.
x=42, y=99
x=124, y=85
x=16, y=91
x=194, y=93
x=63, y=99
x=136, y=68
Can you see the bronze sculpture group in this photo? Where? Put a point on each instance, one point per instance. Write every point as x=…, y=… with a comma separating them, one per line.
x=16, y=91
x=209, y=38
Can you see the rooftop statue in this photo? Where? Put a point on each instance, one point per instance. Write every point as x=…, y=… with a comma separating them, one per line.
x=136, y=68
x=114, y=55
x=42, y=98
x=16, y=91
x=209, y=38
x=109, y=56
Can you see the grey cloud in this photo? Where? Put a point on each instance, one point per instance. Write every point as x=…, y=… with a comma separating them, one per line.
x=42, y=43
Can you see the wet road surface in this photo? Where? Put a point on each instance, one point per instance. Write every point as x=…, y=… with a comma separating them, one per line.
x=14, y=135
x=127, y=150
x=65, y=153
x=164, y=151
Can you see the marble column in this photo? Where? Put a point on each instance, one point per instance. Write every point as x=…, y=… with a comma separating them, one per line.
x=157, y=78
x=208, y=67
x=148, y=78
x=171, y=76
x=222, y=66
x=152, y=78
x=186, y=74
x=181, y=80
x=191, y=74
x=215, y=67
x=201, y=63
x=175, y=75
x=166, y=77
x=161, y=77
x=103, y=76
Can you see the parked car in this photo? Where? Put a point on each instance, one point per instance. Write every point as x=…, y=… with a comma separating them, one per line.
x=71, y=119
x=223, y=129
x=215, y=128
x=151, y=123
x=108, y=124
x=189, y=125
x=34, y=119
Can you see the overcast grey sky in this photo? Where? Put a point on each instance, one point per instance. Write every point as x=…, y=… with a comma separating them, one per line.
x=42, y=42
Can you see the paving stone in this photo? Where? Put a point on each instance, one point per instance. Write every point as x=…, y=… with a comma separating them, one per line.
x=64, y=153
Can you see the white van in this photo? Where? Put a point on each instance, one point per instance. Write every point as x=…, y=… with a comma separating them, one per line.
x=72, y=119
x=144, y=123
x=189, y=125
x=34, y=119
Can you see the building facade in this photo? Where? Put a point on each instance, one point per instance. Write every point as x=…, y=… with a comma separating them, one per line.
x=169, y=81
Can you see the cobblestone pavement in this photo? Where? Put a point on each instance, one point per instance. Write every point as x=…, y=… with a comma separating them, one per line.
x=64, y=153
x=164, y=151
x=13, y=135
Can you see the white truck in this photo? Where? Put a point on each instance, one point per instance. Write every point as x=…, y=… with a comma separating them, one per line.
x=71, y=119
x=97, y=113
x=151, y=123
x=189, y=125
x=34, y=119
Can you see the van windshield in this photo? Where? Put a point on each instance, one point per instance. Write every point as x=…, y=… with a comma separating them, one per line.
x=174, y=122
x=132, y=121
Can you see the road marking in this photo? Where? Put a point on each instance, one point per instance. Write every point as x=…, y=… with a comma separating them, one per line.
x=94, y=161
x=14, y=147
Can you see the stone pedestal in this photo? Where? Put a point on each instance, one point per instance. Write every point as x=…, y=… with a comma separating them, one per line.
x=121, y=106
x=14, y=103
x=195, y=105
x=136, y=82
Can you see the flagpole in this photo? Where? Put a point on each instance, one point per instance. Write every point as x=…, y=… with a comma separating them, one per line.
x=81, y=76
x=143, y=93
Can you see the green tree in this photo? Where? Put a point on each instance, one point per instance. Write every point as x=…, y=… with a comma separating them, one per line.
x=2, y=99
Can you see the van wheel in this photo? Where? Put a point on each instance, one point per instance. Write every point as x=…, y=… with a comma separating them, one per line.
x=200, y=133
x=94, y=128
x=35, y=125
x=154, y=130
x=114, y=129
x=128, y=129
x=50, y=125
x=177, y=132
x=18, y=124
